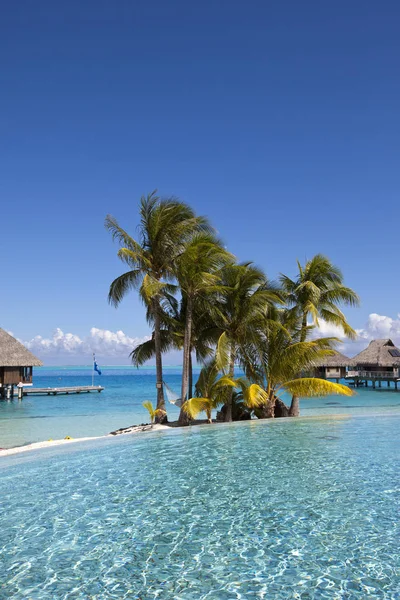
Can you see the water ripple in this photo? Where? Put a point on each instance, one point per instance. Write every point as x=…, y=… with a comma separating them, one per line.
x=304, y=510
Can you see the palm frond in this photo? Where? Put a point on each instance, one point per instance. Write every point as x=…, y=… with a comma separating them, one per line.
x=122, y=285
x=253, y=395
x=336, y=317
x=222, y=354
x=194, y=406
x=312, y=387
x=151, y=287
x=149, y=407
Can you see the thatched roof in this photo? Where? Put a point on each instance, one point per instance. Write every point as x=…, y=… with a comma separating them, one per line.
x=378, y=353
x=14, y=354
x=336, y=360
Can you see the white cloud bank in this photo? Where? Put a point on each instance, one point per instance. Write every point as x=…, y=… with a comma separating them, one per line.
x=116, y=345
x=105, y=343
x=376, y=327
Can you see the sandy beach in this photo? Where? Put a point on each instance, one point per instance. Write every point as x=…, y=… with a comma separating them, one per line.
x=50, y=443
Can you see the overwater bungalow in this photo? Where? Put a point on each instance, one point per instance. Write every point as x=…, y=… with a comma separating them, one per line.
x=16, y=365
x=332, y=367
x=380, y=361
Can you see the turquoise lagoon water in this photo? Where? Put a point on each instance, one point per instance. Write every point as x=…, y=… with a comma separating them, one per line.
x=120, y=404
x=301, y=509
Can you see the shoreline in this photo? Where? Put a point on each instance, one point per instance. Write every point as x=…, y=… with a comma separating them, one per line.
x=51, y=443
x=147, y=428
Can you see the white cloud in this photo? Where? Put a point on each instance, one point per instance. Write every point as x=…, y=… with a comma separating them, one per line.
x=117, y=345
x=376, y=327
x=379, y=326
x=103, y=342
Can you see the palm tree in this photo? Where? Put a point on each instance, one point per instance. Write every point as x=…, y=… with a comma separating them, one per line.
x=244, y=302
x=165, y=227
x=198, y=273
x=277, y=360
x=212, y=389
x=317, y=292
x=173, y=319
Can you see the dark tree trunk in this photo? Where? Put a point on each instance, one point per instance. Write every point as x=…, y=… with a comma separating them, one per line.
x=267, y=411
x=228, y=414
x=190, y=392
x=272, y=409
x=294, y=410
x=160, y=418
x=183, y=417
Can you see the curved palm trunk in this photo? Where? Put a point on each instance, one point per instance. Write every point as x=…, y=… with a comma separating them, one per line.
x=228, y=414
x=160, y=418
x=294, y=410
x=183, y=416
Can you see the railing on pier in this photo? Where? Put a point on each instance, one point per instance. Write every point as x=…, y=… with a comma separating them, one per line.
x=374, y=374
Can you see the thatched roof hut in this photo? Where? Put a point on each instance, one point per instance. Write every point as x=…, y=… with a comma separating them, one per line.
x=332, y=367
x=335, y=360
x=16, y=362
x=378, y=354
x=14, y=354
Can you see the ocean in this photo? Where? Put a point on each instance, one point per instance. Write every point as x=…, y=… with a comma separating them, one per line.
x=39, y=418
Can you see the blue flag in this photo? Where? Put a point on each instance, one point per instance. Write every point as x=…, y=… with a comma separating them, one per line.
x=95, y=365
x=96, y=368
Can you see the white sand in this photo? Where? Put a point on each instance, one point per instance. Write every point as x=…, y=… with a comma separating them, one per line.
x=50, y=443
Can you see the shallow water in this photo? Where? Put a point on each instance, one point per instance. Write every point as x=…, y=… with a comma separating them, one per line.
x=39, y=418
x=302, y=508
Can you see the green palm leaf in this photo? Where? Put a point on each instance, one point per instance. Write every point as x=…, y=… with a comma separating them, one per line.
x=313, y=387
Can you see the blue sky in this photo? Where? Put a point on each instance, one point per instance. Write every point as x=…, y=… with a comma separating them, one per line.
x=279, y=121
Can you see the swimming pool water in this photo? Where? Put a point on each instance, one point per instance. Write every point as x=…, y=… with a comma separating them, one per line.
x=303, y=508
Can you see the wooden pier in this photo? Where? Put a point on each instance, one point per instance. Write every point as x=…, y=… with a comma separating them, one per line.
x=79, y=389
x=362, y=378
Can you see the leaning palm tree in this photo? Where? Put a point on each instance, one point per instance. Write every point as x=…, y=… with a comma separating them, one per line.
x=165, y=227
x=316, y=293
x=212, y=389
x=243, y=304
x=278, y=361
x=197, y=271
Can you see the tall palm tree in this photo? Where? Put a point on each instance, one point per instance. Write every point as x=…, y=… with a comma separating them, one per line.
x=276, y=360
x=197, y=271
x=246, y=297
x=317, y=292
x=166, y=225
